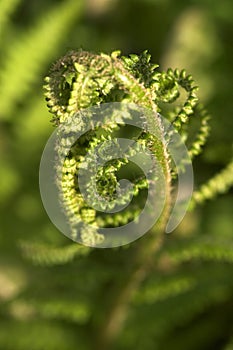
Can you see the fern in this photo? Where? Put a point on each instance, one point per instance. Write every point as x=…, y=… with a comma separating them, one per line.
x=167, y=85
x=42, y=254
x=179, y=286
x=23, y=74
x=203, y=249
x=150, y=276
x=199, y=294
x=219, y=184
x=155, y=291
x=59, y=309
x=202, y=134
x=80, y=80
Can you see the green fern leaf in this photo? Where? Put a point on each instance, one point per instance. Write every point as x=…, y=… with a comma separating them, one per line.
x=203, y=250
x=42, y=254
x=219, y=184
x=17, y=75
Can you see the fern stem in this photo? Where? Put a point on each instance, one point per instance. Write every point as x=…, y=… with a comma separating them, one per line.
x=144, y=256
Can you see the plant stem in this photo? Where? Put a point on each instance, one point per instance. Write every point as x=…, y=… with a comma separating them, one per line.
x=145, y=250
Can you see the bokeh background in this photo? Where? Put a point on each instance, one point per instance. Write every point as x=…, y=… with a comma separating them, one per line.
x=52, y=298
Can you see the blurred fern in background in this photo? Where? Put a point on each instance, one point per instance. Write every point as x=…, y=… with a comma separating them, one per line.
x=55, y=294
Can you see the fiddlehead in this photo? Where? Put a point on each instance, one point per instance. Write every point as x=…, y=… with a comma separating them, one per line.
x=82, y=80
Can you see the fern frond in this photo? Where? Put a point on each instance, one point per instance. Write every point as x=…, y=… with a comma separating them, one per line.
x=204, y=250
x=167, y=88
x=17, y=75
x=159, y=327
x=156, y=291
x=208, y=287
x=141, y=67
x=81, y=80
x=77, y=311
x=218, y=184
x=42, y=254
x=202, y=133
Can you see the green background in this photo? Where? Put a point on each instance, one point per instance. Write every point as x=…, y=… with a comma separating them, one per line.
x=51, y=295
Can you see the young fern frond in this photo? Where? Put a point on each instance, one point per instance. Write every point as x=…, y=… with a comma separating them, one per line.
x=76, y=82
x=106, y=79
x=17, y=76
x=80, y=80
x=47, y=255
